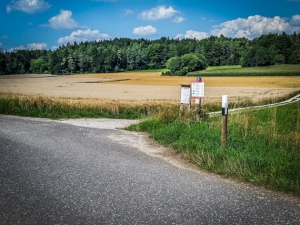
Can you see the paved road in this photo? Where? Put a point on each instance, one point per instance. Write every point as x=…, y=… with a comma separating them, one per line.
x=58, y=173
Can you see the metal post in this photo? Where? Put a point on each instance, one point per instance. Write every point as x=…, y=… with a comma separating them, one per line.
x=224, y=120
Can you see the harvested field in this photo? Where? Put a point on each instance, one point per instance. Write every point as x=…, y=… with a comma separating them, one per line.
x=144, y=86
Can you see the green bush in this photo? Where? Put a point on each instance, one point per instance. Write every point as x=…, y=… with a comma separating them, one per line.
x=180, y=66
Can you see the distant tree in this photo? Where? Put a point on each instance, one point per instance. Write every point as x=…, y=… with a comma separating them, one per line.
x=122, y=54
x=39, y=66
x=154, y=55
x=174, y=64
x=186, y=63
x=3, y=69
x=295, y=57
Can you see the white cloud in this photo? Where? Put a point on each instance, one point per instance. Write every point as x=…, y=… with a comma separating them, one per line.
x=295, y=21
x=21, y=47
x=128, y=12
x=257, y=25
x=148, y=30
x=192, y=34
x=36, y=46
x=83, y=35
x=28, y=6
x=63, y=20
x=32, y=46
x=179, y=36
x=179, y=19
x=158, y=13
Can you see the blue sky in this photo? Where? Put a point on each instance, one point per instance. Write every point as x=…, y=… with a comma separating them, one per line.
x=47, y=24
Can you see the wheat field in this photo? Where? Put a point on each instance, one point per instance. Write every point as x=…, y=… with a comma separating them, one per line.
x=143, y=87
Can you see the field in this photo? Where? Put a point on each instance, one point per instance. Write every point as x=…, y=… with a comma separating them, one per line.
x=145, y=87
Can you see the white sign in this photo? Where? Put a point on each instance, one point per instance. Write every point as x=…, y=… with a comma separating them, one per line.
x=185, y=97
x=197, y=89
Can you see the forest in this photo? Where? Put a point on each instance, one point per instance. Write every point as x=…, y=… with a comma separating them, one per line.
x=124, y=54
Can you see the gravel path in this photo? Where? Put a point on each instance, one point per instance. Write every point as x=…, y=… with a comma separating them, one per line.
x=57, y=173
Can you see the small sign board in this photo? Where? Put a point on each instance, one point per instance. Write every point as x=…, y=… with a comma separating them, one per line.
x=197, y=89
x=185, y=97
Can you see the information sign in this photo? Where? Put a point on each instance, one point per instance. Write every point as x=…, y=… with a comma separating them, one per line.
x=185, y=97
x=197, y=89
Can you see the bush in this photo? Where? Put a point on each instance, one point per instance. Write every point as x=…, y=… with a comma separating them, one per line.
x=180, y=66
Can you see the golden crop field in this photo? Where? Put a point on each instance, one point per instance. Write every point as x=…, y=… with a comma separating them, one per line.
x=144, y=86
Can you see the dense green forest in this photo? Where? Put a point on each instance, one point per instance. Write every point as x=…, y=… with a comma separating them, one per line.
x=124, y=54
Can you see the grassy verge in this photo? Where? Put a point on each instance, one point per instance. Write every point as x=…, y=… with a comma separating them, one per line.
x=263, y=146
x=276, y=70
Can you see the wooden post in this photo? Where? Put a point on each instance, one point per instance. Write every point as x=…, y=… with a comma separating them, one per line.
x=224, y=120
x=198, y=111
x=224, y=131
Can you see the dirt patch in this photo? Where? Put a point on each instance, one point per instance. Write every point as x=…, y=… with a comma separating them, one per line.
x=145, y=87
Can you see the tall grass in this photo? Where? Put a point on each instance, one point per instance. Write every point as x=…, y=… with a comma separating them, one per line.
x=58, y=108
x=263, y=146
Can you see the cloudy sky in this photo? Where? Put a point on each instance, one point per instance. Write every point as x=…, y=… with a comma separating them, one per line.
x=47, y=24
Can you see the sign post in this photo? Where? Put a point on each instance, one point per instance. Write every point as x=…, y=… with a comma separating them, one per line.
x=198, y=94
x=225, y=99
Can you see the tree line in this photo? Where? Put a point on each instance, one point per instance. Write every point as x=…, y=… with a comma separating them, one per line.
x=125, y=54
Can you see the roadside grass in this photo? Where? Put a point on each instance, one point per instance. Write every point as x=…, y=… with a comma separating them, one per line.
x=263, y=146
x=275, y=70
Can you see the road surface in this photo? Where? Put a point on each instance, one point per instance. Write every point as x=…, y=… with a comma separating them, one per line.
x=59, y=172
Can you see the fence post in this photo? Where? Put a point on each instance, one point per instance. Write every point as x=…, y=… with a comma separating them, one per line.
x=224, y=120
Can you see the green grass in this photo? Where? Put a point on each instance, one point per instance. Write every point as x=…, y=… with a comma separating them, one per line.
x=276, y=70
x=263, y=146
x=227, y=67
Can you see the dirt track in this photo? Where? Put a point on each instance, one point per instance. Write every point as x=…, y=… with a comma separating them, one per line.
x=144, y=87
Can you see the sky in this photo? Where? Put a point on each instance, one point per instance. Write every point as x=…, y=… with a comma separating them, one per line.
x=47, y=24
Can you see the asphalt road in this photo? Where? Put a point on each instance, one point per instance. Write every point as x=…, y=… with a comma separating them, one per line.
x=58, y=173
